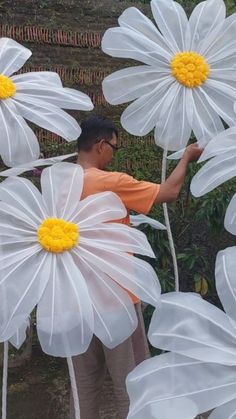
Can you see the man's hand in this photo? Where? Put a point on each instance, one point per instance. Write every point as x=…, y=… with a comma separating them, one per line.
x=193, y=152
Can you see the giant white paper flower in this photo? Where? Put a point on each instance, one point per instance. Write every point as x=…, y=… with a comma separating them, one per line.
x=188, y=78
x=60, y=254
x=36, y=96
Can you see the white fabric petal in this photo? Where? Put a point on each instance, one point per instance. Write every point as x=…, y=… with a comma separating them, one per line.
x=133, y=19
x=139, y=219
x=24, y=196
x=116, y=236
x=141, y=116
x=43, y=78
x=226, y=411
x=162, y=382
x=47, y=116
x=16, y=219
x=225, y=280
x=172, y=21
x=130, y=83
x=230, y=216
x=128, y=271
x=168, y=134
x=62, y=185
x=98, y=208
x=31, y=275
x=205, y=18
x=215, y=172
x=126, y=43
x=64, y=98
x=64, y=314
x=12, y=56
x=114, y=314
x=19, y=337
x=18, y=142
x=224, y=70
x=190, y=326
x=223, y=142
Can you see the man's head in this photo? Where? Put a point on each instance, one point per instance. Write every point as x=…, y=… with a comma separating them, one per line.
x=98, y=140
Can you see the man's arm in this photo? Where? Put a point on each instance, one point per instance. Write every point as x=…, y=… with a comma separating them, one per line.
x=170, y=189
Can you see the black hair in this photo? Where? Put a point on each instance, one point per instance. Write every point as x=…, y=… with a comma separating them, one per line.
x=95, y=129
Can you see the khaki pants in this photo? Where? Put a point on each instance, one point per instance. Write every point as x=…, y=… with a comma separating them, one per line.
x=91, y=368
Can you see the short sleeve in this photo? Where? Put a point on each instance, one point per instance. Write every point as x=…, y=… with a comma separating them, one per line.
x=136, y=195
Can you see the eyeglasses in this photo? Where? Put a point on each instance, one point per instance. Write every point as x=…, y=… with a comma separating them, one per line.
x=114, y=147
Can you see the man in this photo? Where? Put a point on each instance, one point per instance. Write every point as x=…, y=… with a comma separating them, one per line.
x=96, y=147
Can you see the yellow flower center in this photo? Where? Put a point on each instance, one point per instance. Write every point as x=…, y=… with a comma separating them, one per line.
x=7, y=87
x=56, y=235
x=190, y=69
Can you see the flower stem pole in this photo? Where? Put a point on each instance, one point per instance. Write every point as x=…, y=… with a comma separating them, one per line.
x=74, y=387
x=167, y=223
x=4, y=380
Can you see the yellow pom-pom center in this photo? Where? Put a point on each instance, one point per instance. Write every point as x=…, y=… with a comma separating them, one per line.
x=7, y=87
x=190, y=69
x=56, y=235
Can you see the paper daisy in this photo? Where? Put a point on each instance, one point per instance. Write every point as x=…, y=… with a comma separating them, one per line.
x=58, y=252
x=38, y=97
x=188, y=78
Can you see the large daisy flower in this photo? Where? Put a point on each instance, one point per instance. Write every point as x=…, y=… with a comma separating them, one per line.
x=38, y=97
x=60, y=253
x=188, y=78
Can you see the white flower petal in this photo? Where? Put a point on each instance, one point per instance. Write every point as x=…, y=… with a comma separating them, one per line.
x=16, y=218
x=47, y=116
x=190, y=326
x=31, y=273
x=172, y=21
x=223, y=142
x=127, y=43
x=141, y=116
x=139, y=219
x=62, y=186
x=224, y=70
x=230, y=216
x=43, y=78
x=19, y=337
x=166, y=380
x=114, y=314
x=99, y=208
x=168, y=134
x=226, y=411
x=225, y=280
x=205, y=18
x=64, y=98
x=215, y=172
x=64, y=314
x=130, y=83
x=24, y=196
x=128, y=271
x=12, y=56
x=18, y=142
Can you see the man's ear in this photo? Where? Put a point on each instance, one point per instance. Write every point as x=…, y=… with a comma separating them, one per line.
x=100, y=146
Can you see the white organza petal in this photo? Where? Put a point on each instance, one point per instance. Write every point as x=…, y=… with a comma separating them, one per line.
x=205, y=18
x=47, y=116
x=141, y=116
x=230, y=216
x=11, y=216
x=24, y=196
x=139, y=219
x=190, y=326
x=17, y=302
x=223, y=142
x=64, y=98
x=133, y=19
x=19, y=337
x=165, y=380
x=224, y=70
x=62, y=185
x=168, y=134
x=226, y=411
x=127, y=43
x=44, y=78
x=114, y=314
x=98, y=208
x=128, y=271
x=130, y=83
x=215, y=172
x=172, y=21
x=18, y=143
x=12, y=56
x=225, y=280
x=114, y=236
x=64, y=315
x=206, y=124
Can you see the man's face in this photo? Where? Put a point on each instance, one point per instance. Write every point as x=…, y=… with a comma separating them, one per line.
x=108, y=150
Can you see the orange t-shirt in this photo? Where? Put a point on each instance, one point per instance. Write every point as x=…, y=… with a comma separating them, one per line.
x=136, y=195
